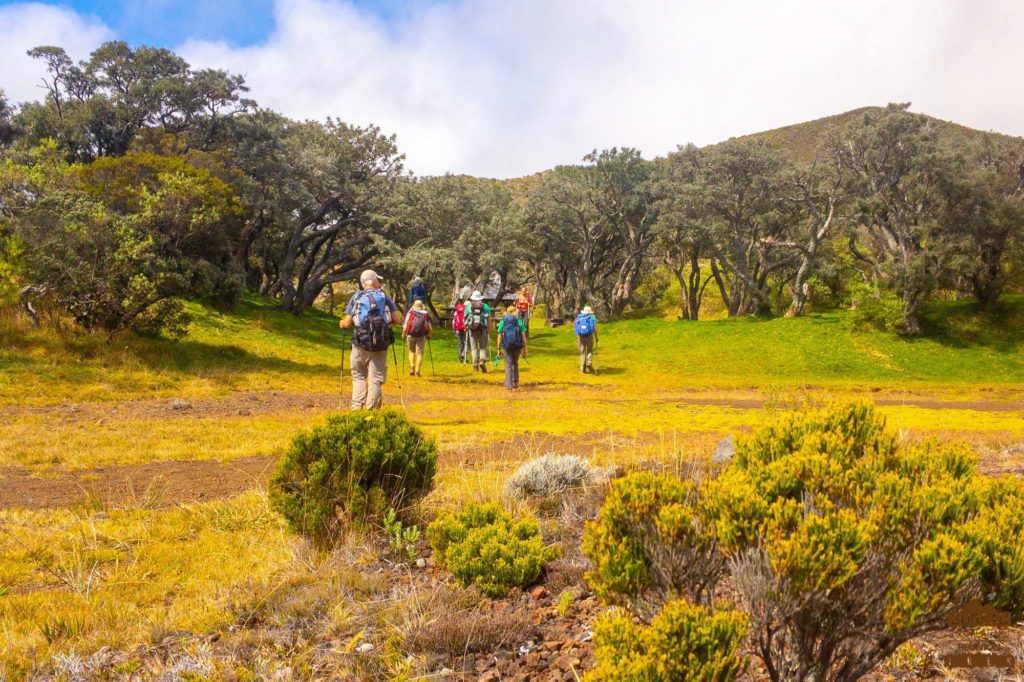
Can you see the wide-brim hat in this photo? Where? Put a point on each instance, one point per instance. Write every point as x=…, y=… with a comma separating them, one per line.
x=477, y=296
x=418, y=304
x=587, y=310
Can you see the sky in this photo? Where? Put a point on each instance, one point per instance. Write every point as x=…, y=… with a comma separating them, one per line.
x=505, y=88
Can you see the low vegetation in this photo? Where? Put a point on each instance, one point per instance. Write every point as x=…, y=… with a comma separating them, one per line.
x=351, y=472
x=484, y=546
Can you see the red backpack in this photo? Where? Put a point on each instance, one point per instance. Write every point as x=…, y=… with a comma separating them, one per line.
x=459, y=319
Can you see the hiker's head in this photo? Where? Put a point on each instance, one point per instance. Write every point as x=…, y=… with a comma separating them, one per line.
x=477, y=296
x=587, y=310
x=370, y=279
x=418, y=305
x=511, y=310
x=523, y=291
x=417, y=280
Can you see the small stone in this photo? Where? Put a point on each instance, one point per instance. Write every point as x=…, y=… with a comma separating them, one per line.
x=364, y=648
x=724, y=451
x=179, y=404
x=421, y=563
x=490, y=676
x=539, y=593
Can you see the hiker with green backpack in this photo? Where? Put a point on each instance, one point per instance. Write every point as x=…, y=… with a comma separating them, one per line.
x=586, y=338
x=511, y=342
x=477, y=320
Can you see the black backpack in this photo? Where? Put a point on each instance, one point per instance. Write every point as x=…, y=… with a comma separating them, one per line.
x=373, y=331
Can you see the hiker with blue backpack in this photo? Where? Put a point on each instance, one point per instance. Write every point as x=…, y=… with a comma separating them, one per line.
x=586, y=338
x=512, y=342
x=372, y=312
x=418, y=292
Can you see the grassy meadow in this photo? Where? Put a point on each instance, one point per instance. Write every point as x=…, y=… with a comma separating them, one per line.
x=128, y=574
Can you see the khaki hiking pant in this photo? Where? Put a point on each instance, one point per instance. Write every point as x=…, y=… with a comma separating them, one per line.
x=369, y=372
x=586, y=348
x=478, y=347
x=416, y=345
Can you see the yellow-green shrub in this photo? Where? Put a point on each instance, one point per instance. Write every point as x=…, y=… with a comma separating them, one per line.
x=683, y=642
x=842, y=542
x=352, y=470
x=484, y=546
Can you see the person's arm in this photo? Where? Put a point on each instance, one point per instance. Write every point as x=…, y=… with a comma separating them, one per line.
x=346, y=321
x=430, y=328
x=396, y=317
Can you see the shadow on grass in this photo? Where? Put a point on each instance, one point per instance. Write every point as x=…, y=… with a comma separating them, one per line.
x=964, y=324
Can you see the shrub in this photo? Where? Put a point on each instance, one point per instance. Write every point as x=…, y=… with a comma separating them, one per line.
x=683, y=642
x=842, y=543
x=484, y=546
x=549, y=475
x=350, y=471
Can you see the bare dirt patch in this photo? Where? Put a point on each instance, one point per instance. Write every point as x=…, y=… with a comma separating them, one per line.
x=152, y=485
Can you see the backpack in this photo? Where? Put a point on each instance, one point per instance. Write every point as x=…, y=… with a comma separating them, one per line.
x=420, y=325
x=477, y=316
x=585, y=325
x=511, y=334
x=373, y=324
x=459, y=318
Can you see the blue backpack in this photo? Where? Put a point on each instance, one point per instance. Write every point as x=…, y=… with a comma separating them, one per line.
x=373, y=326
x=511, y=334
x=585, y=325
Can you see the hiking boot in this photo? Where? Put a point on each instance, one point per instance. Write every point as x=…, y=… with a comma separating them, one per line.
x=483, y=368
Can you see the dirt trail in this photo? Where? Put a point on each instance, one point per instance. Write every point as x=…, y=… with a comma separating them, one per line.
x=151, y=485
x=264, y=403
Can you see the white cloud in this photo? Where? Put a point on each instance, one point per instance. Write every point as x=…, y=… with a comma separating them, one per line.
x=509, y=88
x=27, y=25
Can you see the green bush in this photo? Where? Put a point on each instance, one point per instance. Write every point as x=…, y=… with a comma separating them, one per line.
x=841, y=541
x=683, y=642
x=484, y=546
x=350, y=471
x=875, y=307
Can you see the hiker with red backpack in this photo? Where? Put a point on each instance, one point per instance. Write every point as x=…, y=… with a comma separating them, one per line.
x=459, y=326
x=416, y=330
x=512, y=342
x=586, y=338
x=372, y=312
x=477, y=320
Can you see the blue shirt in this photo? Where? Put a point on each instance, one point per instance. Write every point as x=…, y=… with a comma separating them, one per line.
x=354, y=308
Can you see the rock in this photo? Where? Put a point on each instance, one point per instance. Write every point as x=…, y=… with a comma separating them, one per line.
x=539, y=593
x=724, y=451
x=490, y=676
x=421, y=563
x=364, y=648
x=179, y=404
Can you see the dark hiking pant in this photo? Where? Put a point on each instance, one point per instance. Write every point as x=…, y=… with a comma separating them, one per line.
x=512, y=368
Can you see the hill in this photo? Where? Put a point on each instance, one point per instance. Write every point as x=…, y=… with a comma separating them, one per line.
x=804, y=140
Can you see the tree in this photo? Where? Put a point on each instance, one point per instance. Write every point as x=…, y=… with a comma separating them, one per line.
x=116, y=241
x=335, y=212
x=96, y=107
x=895, y=170
x=620, y=190
x=7, y=129
x=682, y=232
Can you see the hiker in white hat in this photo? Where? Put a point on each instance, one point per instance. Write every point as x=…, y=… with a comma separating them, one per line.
x=586, y=338
x=477, y=321
x=373, y=313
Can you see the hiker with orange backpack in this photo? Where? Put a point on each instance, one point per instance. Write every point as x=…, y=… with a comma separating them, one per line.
x=524, y=307
x=477, y=320
x=416, y=330
x=512, y=341
x=459, y=326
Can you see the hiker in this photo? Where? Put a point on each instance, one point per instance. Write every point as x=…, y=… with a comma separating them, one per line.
x=416, y=330
x=418, y=291
x=512, y=342
x=586, y=338
x=477, y=320
x=524, y=307
x=373, y=312
x=459, y=326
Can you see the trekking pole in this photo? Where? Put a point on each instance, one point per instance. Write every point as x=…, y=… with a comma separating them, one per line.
x=398, y=378
x=341, y=377
x=430, y=350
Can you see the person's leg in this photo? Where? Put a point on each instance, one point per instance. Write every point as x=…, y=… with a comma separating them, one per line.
x=473, y=340
x=583, y=353
x=378, y=374
x=588, y=353
x=515, y=367
x=461, y=338
x=359, y=363
x=484, y=340
x=420, y=343
x=510, y=376
x=410, y=347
